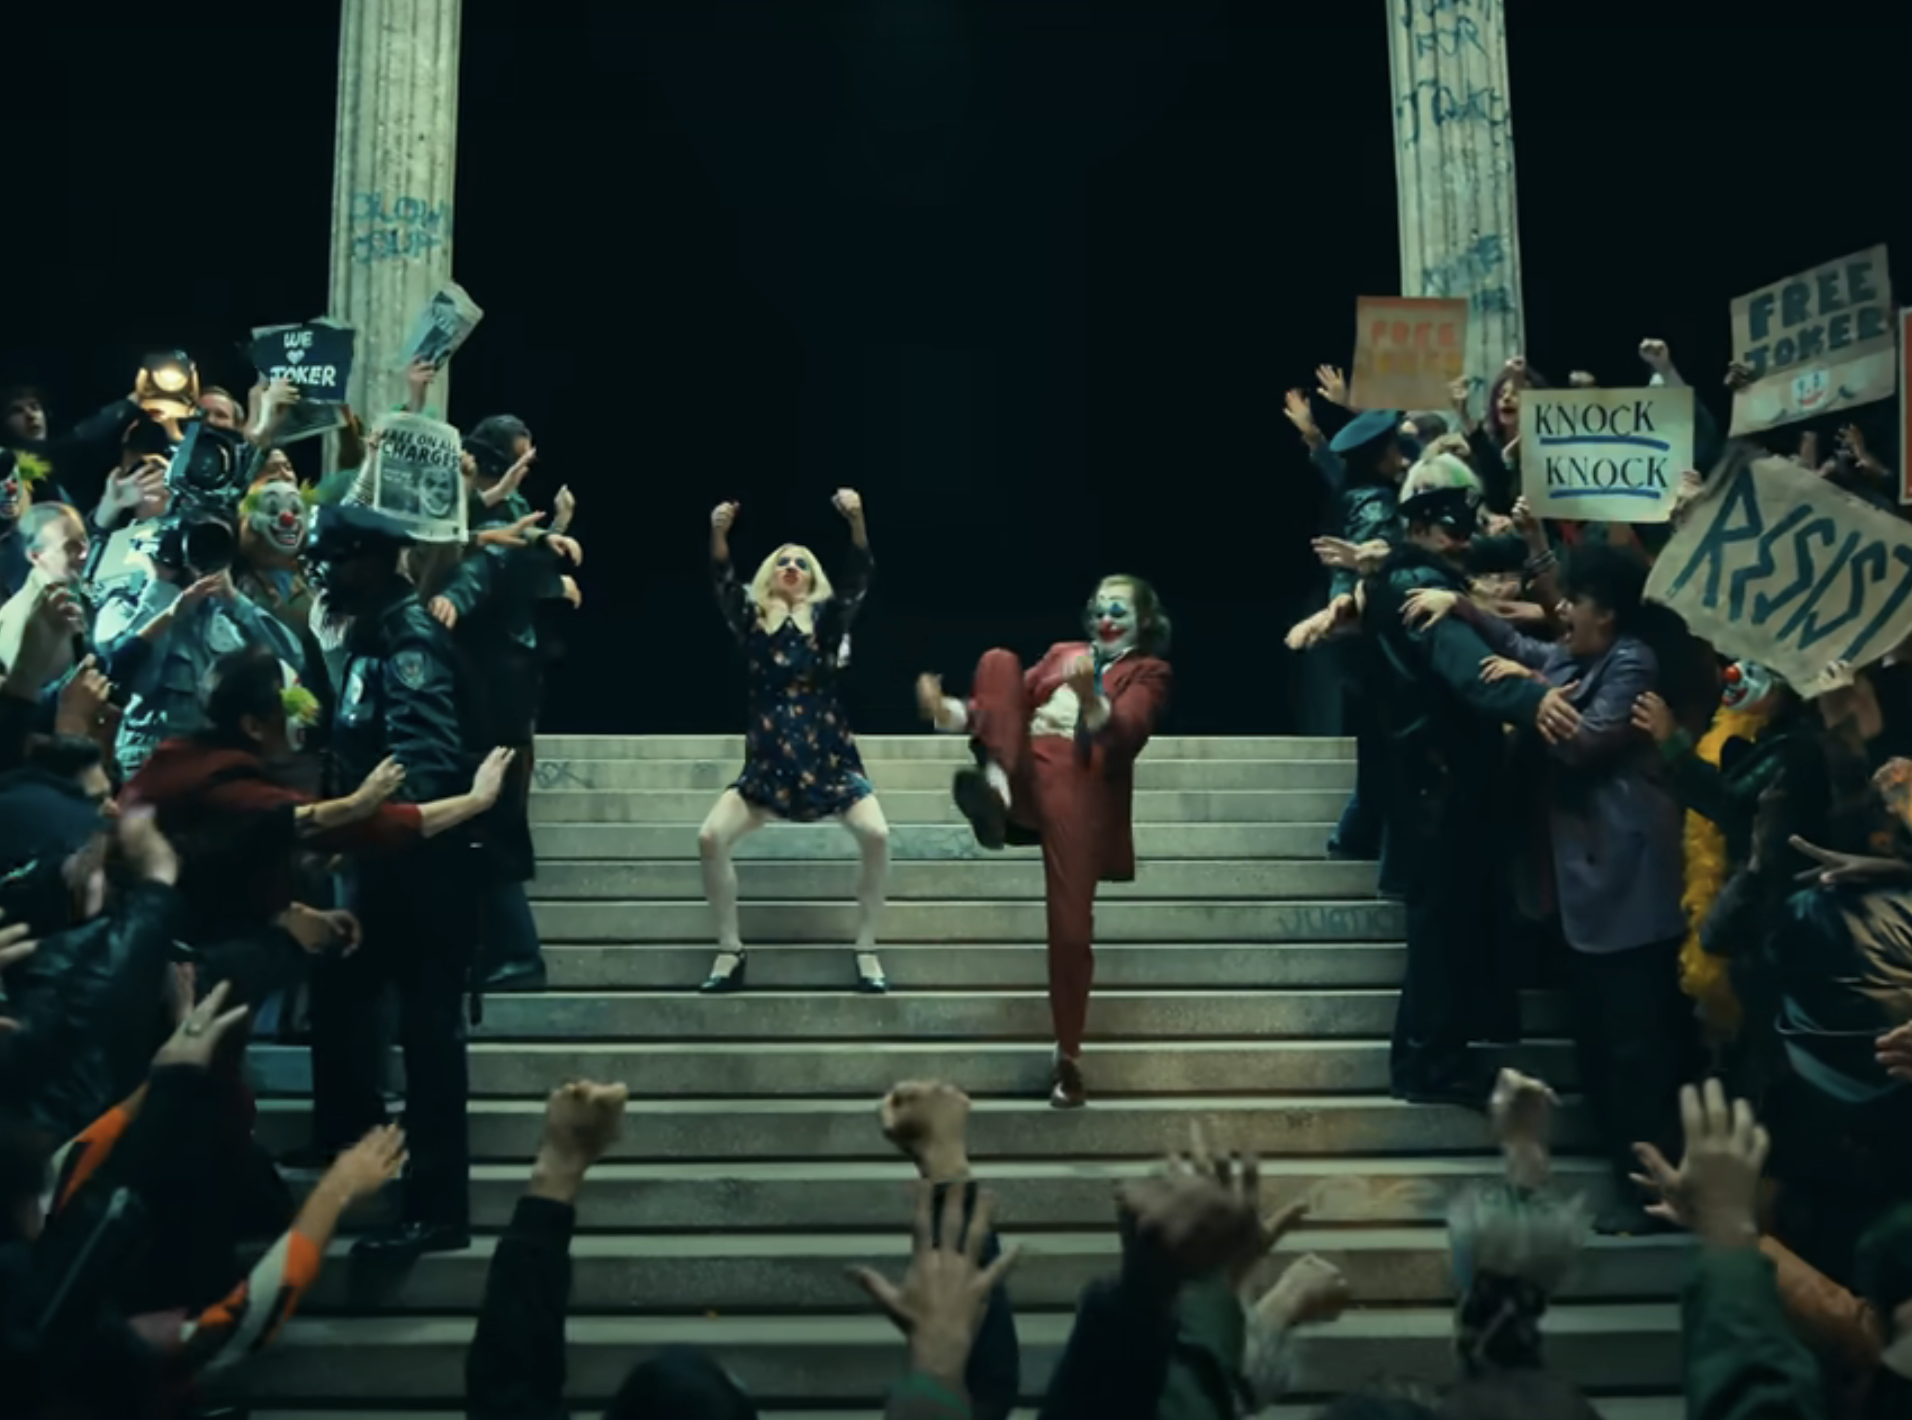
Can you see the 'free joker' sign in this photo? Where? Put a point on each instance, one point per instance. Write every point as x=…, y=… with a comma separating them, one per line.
x=1816, y=343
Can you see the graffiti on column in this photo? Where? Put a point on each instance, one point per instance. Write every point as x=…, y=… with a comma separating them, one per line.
x=1451, y=98
x=397, y=228
x=1478, y=273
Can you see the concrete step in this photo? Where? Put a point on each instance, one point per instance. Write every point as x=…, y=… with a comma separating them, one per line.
x=796, y=1359
x=917, y=842
x=1145, y=1017
x=829, y=1195
x=651, y=883
x=933, y=806
x=808, y=1129
x=896, y=776
x=1115, y=921
x=983, y=967
x=867, y=1070
x=1669, y=1407
x=765, y=1273
x=944, y=749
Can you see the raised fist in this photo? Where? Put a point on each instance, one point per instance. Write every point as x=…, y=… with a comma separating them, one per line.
x=849, y=503
x=723, y=515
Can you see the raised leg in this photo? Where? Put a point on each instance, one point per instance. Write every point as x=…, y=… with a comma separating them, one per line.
x=1000, y=719
x=730, y=818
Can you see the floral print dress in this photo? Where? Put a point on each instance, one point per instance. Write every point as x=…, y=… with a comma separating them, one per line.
x=800, y=757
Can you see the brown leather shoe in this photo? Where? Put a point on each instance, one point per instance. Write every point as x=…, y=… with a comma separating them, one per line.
x=1066, y=1091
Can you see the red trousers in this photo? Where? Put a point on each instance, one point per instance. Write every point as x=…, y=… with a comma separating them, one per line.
x=1056, y=794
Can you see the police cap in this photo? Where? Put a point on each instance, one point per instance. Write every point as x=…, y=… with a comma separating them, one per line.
x=345, y=531
x=1372, y=427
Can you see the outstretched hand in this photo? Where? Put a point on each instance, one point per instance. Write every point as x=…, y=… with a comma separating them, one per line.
x=200, y=1034
x=940, y=1302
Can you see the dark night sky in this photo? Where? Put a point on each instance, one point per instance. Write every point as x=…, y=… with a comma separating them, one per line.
x=1030, y=274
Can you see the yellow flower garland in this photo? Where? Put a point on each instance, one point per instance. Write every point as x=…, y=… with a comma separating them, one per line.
x=1702, y=975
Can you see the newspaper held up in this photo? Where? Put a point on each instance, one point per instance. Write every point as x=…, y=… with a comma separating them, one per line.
x=446, y=323
x=417, y=477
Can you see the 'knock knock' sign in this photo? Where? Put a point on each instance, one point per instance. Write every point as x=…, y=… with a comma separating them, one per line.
x=1605, y=456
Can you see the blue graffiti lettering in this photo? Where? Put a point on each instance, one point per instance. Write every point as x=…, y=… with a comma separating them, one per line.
x=1482, y=104
x=1447, y=41
x=397, y=228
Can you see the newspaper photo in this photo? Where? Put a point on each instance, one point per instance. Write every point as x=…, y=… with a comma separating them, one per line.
x=416, y=476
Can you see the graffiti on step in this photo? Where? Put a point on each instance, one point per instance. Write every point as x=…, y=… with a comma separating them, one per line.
x=1344, y=921
x=548, y=774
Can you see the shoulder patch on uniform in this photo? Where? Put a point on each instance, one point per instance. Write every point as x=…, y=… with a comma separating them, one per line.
x=410, y=669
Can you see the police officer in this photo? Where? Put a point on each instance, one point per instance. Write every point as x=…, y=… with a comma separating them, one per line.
x=1444, y=736
x=492, y=600
x=402, y=694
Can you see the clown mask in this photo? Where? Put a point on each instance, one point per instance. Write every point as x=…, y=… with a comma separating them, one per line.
x=13, y=496
x=1114, y=623
x=1745, y=684
x=276, y=517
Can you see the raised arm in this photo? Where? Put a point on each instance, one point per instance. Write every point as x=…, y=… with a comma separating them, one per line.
x=856, y=586
x=732, y=600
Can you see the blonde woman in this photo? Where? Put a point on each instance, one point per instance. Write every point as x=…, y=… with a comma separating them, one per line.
x=800, y=760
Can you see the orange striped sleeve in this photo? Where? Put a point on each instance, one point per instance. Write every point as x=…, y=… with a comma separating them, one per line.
x=87, y=1153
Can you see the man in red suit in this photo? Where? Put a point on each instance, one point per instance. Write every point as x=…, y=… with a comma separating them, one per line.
x=1055, y=748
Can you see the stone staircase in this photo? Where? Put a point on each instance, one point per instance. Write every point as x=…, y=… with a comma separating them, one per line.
x=1242, y=981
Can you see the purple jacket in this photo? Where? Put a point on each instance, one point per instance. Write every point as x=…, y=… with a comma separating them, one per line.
x=1619, y=859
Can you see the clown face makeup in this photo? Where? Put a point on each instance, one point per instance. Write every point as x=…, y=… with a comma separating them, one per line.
x=13, y=496
x=1114, y=622
x=276, y=516
x=793, y=576
x=1745, y=684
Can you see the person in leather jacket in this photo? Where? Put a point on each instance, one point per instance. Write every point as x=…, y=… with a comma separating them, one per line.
x=87, y=1003
x=1441, y=728
x=490, y=601
x=404, y=693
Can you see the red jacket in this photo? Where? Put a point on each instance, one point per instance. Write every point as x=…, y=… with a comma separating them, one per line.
x=233, y=825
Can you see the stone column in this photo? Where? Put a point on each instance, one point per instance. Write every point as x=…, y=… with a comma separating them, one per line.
x=1454, y=168
x=397, y=147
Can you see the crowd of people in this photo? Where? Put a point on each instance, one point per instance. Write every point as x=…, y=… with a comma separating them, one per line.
x=262, y=748
x=264, y=764
x=1564, y=785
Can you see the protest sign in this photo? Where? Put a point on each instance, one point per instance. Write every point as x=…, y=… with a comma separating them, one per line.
x=316, y=356
x=1605, y=456
x=445, y=324
x=1774, y=564
x=1816, y=343
x=1407, y=352
x=1905, y=406
x=416, y=476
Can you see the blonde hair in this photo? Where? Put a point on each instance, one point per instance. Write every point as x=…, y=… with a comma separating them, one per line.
x=772, y=609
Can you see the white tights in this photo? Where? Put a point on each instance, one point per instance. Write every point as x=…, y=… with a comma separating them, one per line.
x=732, y=817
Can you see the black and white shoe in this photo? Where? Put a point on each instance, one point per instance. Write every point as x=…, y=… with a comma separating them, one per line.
x=979, y=802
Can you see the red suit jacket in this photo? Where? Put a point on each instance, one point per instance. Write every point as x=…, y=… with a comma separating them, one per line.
x=1137, y=687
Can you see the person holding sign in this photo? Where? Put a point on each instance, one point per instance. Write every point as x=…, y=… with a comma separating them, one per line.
x=1442, y=732
x=800, y=760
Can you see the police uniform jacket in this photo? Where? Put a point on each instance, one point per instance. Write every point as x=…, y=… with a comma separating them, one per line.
x=1438, y=710
x=402, y=693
